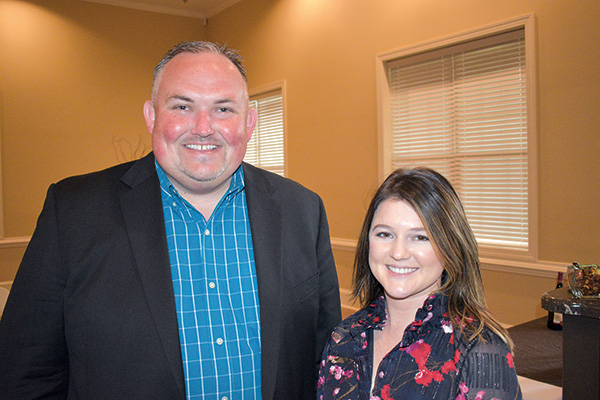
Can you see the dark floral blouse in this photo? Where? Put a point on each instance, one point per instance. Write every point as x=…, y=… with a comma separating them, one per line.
x=431, y=362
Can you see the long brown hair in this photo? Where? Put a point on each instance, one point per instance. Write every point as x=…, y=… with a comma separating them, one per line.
x=436, y=202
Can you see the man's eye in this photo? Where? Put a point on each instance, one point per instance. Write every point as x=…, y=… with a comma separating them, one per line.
x=181, y=107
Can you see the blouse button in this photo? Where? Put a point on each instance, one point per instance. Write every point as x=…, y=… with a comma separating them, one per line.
x=212, y=285
x=219, y=341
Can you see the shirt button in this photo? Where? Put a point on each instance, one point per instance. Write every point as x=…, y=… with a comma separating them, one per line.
x=174, y=204
x=211, y=285
x=207, y=232
x=219, y=341
x=224, y=398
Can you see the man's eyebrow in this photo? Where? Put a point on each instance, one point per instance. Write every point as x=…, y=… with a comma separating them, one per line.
x=180, y=97
x=225, y=100
x=189, y=100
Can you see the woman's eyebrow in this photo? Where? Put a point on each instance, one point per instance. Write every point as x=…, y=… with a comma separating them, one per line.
x=385, y=226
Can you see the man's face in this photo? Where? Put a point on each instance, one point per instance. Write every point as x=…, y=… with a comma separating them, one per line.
x=200, y=121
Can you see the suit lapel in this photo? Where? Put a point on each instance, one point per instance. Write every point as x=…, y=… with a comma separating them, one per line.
x=142, y=211
x=265, y=223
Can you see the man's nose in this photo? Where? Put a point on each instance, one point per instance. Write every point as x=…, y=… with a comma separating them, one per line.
x=203, y=124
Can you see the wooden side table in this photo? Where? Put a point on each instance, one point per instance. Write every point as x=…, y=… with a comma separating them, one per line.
x=581, y=343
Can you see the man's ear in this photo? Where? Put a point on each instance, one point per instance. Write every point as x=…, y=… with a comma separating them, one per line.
x=149, y=115
x=251, y=122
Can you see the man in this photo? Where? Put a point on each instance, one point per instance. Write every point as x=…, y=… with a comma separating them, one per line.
x=186, y=273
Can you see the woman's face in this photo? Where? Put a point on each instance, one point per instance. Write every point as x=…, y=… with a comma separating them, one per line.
x=401, y=256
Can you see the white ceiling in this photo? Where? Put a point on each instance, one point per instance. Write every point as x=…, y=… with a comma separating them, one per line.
x=189, y=8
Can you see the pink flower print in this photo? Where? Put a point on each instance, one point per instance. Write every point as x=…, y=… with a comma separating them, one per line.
x=381, y=374
x=375, y=398
x=447, y=326
x=429, y=316
x=509, y=360
x=336, y=391
x=321, y=381
x=479, y=395
x=336, y=337
x=364, y=336
x=336, y=371
x=463, y=390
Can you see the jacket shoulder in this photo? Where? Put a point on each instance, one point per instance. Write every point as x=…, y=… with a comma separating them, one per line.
x=128, y=173
x=271, y=183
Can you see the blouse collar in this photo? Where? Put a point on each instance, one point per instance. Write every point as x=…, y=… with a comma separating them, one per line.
x=427, y=318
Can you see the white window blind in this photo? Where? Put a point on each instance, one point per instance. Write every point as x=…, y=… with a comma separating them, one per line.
x=462, y=110
x=265, y=149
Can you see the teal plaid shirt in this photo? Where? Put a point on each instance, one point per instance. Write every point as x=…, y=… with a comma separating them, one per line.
x=214, y=279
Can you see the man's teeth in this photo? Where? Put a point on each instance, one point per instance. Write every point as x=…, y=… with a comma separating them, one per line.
x=201, y=146
x=401, y=270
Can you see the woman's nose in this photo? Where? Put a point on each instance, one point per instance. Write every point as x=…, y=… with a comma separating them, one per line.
x=399, y=250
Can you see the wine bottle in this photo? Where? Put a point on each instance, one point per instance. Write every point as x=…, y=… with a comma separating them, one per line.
x=555, y=319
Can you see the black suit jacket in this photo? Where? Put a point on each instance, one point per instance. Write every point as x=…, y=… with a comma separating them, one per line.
x=91, y=314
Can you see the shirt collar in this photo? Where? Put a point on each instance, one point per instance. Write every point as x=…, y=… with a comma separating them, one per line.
x=236, y=185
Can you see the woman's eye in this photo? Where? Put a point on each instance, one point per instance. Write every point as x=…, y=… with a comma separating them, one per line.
x=422, y=238
x=384, y=235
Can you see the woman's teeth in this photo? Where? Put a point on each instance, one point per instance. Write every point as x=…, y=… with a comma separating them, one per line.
x=401, y=270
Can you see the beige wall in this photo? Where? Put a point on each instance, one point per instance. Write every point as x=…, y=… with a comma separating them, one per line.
x=72, y=82
x=73, y=78
x=326, y=52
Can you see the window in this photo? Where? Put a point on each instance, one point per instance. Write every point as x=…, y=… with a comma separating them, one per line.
x=462, y=107
x=266, y=148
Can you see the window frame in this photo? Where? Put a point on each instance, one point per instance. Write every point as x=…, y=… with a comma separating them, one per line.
x=265, y=90
x=494, y=254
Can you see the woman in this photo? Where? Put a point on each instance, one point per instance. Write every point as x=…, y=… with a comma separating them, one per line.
x=424, y=331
